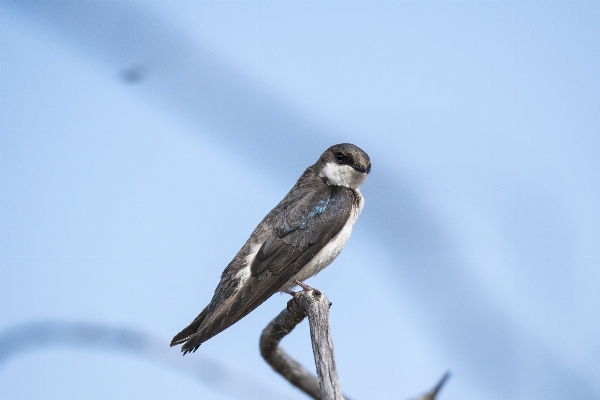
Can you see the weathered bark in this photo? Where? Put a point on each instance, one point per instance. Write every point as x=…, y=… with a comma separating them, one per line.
x=277, y=358
x=315, y=305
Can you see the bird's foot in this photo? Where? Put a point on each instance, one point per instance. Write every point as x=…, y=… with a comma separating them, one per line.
x=304, y=286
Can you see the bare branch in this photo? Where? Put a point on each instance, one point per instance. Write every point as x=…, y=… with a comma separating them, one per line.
x=432, y=395
x=316, y=305
x=277, y=358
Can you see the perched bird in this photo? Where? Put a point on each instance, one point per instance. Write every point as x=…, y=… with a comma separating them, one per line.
x=302, y=235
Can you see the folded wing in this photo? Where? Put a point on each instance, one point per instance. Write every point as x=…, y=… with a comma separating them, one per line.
x=303, y=225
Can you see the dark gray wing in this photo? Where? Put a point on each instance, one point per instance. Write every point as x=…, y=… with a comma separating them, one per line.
x=304, y=227
x=304, y=224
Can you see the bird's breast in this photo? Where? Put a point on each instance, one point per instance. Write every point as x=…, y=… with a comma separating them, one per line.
x=331, y=250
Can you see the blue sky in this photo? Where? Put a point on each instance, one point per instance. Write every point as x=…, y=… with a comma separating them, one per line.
x=479, y=245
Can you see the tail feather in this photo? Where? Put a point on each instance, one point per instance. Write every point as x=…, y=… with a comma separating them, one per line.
x=191, y=330
x=207, y=329
x=190, y=346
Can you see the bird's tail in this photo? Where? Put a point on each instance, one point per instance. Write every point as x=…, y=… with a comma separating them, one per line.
x=189, y=332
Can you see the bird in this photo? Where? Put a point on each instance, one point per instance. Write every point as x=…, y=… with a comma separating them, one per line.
x=302, y=235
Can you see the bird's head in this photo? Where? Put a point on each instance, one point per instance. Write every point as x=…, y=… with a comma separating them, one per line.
x=344, y=165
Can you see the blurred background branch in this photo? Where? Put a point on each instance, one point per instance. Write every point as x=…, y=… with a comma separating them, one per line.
x=40, y=335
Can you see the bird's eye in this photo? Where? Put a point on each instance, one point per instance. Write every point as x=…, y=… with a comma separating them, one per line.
x=339, y=157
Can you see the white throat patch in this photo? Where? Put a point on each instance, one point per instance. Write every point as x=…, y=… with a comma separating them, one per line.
x=343, y=175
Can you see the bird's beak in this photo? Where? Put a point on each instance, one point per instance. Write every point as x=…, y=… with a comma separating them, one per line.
x=360, y=168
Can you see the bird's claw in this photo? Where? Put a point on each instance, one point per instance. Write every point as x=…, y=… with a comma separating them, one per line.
x=304, y=286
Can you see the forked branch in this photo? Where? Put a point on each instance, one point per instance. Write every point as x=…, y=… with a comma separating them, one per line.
x=315, y=305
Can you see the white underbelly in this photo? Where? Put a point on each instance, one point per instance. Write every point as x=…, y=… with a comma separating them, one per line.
x=328, y=253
